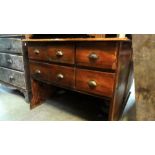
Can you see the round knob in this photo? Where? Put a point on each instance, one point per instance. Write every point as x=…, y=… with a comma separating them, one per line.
x=11, y=78
x=93, y=56
x=37, y=71
x=92, y=84
x=9, y=47
x=59, y=53
x=36, y=51
x=60, y=76
x=9, y=61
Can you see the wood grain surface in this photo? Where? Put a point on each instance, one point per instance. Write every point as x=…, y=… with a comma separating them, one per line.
x=58, y=52
x=104, y=82
x=105, y=54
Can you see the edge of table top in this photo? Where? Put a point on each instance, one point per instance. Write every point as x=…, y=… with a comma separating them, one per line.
x=75, y=39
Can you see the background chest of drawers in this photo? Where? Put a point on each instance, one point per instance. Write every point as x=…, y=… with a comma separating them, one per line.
x=98, y=67
x=13, y=70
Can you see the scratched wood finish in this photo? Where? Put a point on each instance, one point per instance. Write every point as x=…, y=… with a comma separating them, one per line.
x=40, y=92
x=11, y=45
x=60, y=75
x=57, y=52
x=13, y=77
x=104, y=82
x=12, y=61
x=105, y=54
x=123, y=80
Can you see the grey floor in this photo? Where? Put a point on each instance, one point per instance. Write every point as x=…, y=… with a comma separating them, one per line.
x=64, y=106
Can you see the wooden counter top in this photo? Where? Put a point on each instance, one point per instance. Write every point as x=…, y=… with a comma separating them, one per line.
x=75, y=39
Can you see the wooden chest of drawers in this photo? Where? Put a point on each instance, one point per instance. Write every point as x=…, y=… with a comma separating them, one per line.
x=13, y=64
x=98, y=67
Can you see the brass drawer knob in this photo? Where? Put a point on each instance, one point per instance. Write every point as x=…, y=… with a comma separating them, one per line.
x=60, y=76
x=59, y=53
x=36, y=51
x=93, y=56
x=92, y=84
x=9, y=61
x=37, y=71
x=11, y=78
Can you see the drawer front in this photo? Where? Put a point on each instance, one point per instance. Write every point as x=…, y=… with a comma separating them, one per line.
x=10, y=45
x=12, y=61
x=100, y=83
x=97, y=54
x=62, y=75
x=60, y=53
x=59, y=75
x=40, y=71
x=12, y=77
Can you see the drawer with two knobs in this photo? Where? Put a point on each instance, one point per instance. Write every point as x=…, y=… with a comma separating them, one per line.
x=59, y=75
x=57, y=52
x=93, y=82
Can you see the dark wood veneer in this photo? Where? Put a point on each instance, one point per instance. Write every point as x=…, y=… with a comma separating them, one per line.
x=98, y=54
x=61, y=75
x=104, y=82
x=107, y=73
x=61, y=53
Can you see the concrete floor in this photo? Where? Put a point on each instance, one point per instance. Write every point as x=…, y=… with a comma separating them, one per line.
x=65, y=106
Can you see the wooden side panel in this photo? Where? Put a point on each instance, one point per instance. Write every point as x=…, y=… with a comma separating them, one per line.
x=40, y=92
x=130, y=78
x=26, y=66
x=123, y=72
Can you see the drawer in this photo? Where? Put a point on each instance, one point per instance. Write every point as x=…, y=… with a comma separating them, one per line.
x=97, y=54
x=100, y=83
x=12, y=77
x=57, y=52
x=12, y=61
x=59, y=75
x=10, y=45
